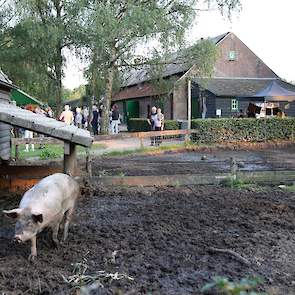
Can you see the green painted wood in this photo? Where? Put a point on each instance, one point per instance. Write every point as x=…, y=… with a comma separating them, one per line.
x=132, y=107
x=23, y=98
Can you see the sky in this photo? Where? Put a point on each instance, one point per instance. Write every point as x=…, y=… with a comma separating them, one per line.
x=265, y=26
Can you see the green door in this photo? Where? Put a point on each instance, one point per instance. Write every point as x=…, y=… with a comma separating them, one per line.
x=132, y=108
x=195, y=108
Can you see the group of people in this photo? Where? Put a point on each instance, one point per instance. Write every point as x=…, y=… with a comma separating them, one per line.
x=156, y=122
x=82, y=118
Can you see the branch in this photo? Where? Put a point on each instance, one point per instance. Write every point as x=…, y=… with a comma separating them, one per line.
x=231, y=253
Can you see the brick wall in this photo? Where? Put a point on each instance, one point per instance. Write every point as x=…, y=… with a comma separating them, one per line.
x=247, y=64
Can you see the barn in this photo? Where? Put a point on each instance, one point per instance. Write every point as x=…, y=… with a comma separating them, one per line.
x=238, y=74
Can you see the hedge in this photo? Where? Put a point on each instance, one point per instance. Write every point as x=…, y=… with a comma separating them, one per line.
x=229, y=129
x=225, y=130
x=139, y=124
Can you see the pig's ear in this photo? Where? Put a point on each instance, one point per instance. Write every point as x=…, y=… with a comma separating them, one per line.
x=37, y=218
x=14, y=213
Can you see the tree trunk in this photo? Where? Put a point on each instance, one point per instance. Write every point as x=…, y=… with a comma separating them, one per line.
x=107, y=101
x=58, y=70
x=59, y=62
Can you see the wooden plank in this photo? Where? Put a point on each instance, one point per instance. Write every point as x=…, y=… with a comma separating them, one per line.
x=79, y=137
x=5, y=138
x=65, y=132
x=5, y=145
x=5, y=153
x=36, y=140
x=37, y=123
x=5, y=127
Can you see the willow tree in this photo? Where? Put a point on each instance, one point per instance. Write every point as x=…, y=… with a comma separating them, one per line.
x=115, y=31
x=50, y=27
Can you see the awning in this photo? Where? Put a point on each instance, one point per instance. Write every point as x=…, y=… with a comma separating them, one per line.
x=23, y=98
x=275, y=92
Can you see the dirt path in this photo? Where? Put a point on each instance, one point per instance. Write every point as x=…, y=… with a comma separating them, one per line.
x=161, y=236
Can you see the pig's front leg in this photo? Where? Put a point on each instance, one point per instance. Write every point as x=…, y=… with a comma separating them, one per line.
x=33, y=254
x=55, y=229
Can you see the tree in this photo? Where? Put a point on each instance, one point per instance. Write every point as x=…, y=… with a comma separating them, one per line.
x=115, y=30
x=50, y=26
x=20, y=63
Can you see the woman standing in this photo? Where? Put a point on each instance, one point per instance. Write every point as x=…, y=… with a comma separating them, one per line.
x=159, y=125
x=115, y=119
x=152, y=117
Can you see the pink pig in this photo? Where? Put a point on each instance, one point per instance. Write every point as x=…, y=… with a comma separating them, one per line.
x=45, y=205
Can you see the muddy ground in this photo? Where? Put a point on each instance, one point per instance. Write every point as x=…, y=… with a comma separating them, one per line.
x=162, y=237
x=202, y=161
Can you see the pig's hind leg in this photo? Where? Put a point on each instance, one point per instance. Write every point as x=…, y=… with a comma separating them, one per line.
x=68, y=217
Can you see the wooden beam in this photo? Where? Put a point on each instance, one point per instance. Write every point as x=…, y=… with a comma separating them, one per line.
x=70, y=158
x=36, y=140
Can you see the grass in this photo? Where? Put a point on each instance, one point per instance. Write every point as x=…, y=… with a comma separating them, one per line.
x=52, y=151
x=288, y=188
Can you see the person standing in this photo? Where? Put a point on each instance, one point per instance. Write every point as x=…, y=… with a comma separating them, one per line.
x=78, y=118
x=94, y=120
x=152, y=122
x=115, y=119
x=67, y=116
x=159, y=125
x=28, y=133
x=85, y=113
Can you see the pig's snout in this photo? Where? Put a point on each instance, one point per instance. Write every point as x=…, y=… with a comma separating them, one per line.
x=18, y=239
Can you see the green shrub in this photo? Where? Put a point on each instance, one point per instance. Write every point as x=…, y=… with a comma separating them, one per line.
x=225, y=286
x=140, y=124
x=48, y=154
x=248, y=130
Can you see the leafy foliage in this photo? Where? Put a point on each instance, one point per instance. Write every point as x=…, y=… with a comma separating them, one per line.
x=115, y=30
x=243, y=287
x=48, y=154
x=248, y=130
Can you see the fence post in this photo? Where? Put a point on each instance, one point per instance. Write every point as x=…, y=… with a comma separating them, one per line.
x=189, y=108
x=88, y=163
x=70, y=159
x=16, y=152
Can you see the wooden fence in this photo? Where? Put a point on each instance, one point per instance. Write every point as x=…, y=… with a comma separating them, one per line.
x=149, y=134
x=100, y=138
x=37, y=140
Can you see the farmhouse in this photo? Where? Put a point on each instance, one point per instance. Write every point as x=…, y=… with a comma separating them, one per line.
x=238, y=76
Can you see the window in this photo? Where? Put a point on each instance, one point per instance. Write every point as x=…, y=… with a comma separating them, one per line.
x=232, y=55
x=234, y=105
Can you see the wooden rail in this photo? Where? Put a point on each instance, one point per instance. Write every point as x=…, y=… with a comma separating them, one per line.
x=70, y=162
x=142, y=135
x=36, y=140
